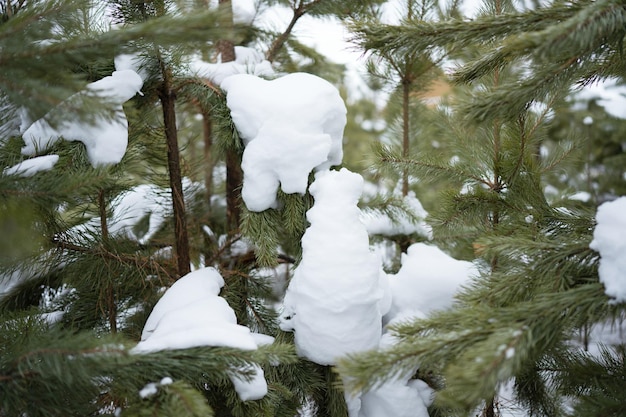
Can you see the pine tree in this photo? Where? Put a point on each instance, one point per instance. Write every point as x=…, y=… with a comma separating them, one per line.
x=104, y=281
x=79, y=290
x=539, y=287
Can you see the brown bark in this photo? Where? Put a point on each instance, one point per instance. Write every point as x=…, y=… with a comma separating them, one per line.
x=102, y=209
x=168, y=100
x=490, y=409
x=406, y=89
x=234, y=179
x=111, y=305
x=207, y=132
x=282, y=38
x=226, y=50
x=234, y=174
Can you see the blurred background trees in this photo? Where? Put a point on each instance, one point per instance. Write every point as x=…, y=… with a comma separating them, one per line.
x=476, y=119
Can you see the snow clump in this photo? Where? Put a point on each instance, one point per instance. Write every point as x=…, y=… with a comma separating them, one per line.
x=105, y=138
x=247, y=61
x=427, y=280
x=400, y=396
x=290, y=126
x=608, y=240
x=192, y=314
x=337, y=296
x=31, y=166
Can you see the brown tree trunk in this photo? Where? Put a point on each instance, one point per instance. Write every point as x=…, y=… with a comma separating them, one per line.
x=234, y=175
x=406, y=89
x=490, y=409
x=168, y=100
x=234, y=179
x=111, y=305
x=207, y=132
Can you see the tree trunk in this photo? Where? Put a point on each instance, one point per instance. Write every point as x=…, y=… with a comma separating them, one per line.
x=173, y=161
x=234, y=179
x=207, y=132
x=111, y=305
x=234, y=175
x=406, y=88
x=490, y=409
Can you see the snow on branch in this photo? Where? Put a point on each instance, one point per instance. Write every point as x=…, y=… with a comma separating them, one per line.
x=192, y=314
x=290, y=126
x=338, y=294
x=608, y=240
x=105, y=138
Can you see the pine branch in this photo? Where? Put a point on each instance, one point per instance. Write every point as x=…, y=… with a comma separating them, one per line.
x=425, y=167
x=595, y=381
x=478, y=350
x=136, y=260
x=51, y=362
x=172, y=400
x=413, y=37
x=262, y=229
x=277, y=45
x=58, y=58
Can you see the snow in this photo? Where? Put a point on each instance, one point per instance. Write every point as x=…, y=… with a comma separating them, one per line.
x=105, y=138
x=583, y=196
x=339, y=277
x=149, y=390
x=52, y=317
x=609, y=94
x=244, y=11
x=133, y=62
x=290, y=126
x=144, y=202
x=608, y=240
x=427, y=280
x=31, y=166
x=36, y=269
x=152, y=388
x=378, y=223
x=605, y=334
x=509, y=353
x=192, y=314
x=338, y=296
x=401, y=396
x=135, y=204
x=247, y=61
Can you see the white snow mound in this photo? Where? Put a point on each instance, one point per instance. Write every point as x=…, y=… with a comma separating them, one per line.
x=105, y=138
x=336, y=298
x=608, y=240
x=192, y=314
x=427, y=280
x=290, y=126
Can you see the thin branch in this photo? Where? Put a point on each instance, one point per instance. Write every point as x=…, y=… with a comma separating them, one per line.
x=140, y=262
x=396, y=160
x=279, y=42
x=521, y=120
x=542, y=116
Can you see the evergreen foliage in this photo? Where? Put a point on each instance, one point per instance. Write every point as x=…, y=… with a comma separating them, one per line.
x=538, y=288
x=78, y=288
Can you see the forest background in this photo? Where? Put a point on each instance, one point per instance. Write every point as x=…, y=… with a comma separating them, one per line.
x=500, y=179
